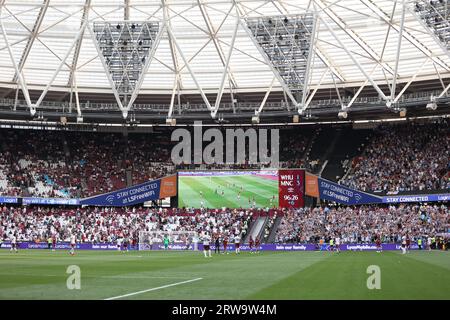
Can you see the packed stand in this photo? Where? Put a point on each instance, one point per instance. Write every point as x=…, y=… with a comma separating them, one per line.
x=34, y=164
x=99, y=225
x=363, y=224
x=66, y=164
x=148, y=159
x=404, y=158
x=74, y=164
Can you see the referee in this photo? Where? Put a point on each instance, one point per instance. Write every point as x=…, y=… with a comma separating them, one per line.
x=217, y=245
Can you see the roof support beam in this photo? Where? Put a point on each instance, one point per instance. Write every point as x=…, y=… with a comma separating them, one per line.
x=187, y=65
x=302, y=106
x=311, y=96
x=126, y=10
x=261, y=51
x=411, y=80
x=213, y=35
x=408, y=36
x=445, y=91
x=328, y=62
x=172, y=100
x=76, y=55
x=399, y=46
x=61, y=64
x=105, y=67
x=226, y=70
x=353, y=35
x=20, y=77
x=32, y=37
x=266, y=96
x=129, y=103
x=270, y=64
x=355, y=61
x=144, y=70
x=77, y=99
x=355, y=96
x=317, y=50
x=173, y=52
x=338, y=93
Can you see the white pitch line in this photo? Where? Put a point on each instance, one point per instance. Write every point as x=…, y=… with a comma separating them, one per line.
x=153, y=289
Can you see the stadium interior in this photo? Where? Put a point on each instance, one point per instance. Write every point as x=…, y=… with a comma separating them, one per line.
x=92, y=93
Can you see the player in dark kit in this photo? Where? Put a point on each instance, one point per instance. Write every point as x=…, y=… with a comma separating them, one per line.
x=225, y=244
x=53, y=242
x=217, y=244
x=250, y=244
x=378, y=243
x=408, y=243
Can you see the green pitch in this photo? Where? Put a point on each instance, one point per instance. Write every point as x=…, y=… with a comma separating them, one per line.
x=256, y=188
x=39, y=274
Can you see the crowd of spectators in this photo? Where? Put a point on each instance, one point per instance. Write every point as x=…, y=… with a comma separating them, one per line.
x=292, y=149
x=66, y=164
x=81, y=164
x=363, y=224
x=34, y=164
x=99, y=225
x=77, y=164
x=404, y=158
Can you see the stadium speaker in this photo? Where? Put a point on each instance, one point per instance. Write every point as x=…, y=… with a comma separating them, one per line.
x=63, y=120
x=171, y=121
x=342, y=115
x=255, y=120
x=296, y=118
x=402, y=113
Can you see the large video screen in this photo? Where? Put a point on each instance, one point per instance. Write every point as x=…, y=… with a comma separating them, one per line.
x=240, y=189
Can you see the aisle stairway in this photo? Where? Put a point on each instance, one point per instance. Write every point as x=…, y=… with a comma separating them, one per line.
x=349, y=144
x=256, y=228
x=273, y=231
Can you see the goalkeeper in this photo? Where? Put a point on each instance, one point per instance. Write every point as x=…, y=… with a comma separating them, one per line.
x=166, y=242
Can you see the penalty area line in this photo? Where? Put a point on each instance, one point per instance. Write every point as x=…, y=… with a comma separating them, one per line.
x=153, y=289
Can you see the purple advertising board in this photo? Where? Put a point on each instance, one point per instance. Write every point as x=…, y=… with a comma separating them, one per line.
x=244, y=247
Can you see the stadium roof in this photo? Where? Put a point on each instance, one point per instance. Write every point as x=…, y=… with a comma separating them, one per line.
x=356, y=44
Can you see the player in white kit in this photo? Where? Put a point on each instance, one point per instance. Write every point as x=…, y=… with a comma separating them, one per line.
x=338, y=244
x=73, y=242
x=14, y=244
x=206, y=246
x=403, y=247
x=119, y=244
x=237, y=243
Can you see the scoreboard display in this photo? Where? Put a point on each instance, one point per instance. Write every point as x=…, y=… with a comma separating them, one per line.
x=283, y=188
x=291, y=188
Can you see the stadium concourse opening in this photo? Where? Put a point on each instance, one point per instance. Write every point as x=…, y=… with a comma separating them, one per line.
x=325, y=147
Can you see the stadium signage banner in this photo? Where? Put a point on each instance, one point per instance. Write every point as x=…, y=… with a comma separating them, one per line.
x=291, y=188
x=9, y=200
x=51, y=201
x=147, y=191
x=334, y=192
x=244, y=247
x=417, y=198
